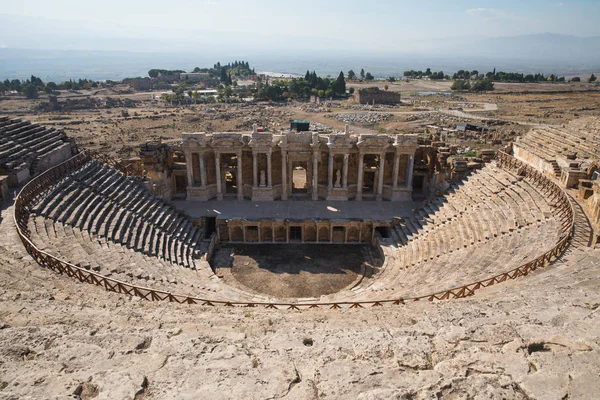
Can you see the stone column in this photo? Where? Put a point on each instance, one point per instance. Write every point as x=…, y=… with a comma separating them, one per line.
x=290, y=173
x=380, y=177
x=330, y=172
x=345, y=179
x=361, y=168
x=218, y=173
x=409, y=171
x=396, y=170
x=189, y=167
x=269, y=173
x=254, y=169
x=284, y=169
x=315, y=184
x=240, y=193
x=202, y=169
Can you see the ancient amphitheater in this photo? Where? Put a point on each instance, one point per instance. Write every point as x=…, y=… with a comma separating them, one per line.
x=470, y=283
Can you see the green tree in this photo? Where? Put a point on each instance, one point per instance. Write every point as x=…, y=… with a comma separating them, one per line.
x=30, y=91
x=592, y=78
x=460, y=85
x=227, y=92
x=362, y=73
x=576, y=79
x=224, y=78
x=339, y=85
x=482, y=85
x=369, y=77
x=351, y=75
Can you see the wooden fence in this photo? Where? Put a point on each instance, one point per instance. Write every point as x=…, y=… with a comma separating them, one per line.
x=39, y=187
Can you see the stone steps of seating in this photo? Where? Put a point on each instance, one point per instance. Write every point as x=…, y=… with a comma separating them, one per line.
x=118, y=262
x=489, y=204
x=480, y=261
x=90, y=198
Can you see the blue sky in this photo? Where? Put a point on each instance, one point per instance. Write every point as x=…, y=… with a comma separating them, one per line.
x=380, y=24
x=330, y=18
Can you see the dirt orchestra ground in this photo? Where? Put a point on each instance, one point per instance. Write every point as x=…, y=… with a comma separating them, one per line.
x=291, y=271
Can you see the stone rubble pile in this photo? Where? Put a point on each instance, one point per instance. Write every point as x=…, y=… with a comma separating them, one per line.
x=361, y=118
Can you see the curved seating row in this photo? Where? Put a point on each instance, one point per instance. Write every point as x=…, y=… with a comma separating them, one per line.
x=23, y=144
x=490, y=223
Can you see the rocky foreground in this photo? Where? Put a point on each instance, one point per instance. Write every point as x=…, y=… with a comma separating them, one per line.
x=535, y=338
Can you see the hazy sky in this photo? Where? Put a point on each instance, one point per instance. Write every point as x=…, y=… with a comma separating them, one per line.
x=359, y=22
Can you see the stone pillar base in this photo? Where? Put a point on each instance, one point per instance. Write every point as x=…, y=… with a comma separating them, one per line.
x=401, y=194
x=195, y=193
x=337, y=194
x=262, y=193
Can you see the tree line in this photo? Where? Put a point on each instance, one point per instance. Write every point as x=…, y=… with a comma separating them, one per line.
x=428, y=74
x=302, y=88
x=30, y=87
x=364, y=76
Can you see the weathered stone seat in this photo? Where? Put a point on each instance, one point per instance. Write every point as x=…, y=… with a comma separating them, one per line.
x=490, y=223
x=101, y=202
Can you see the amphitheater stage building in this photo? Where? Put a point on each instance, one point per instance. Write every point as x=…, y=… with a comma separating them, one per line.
x=266, y=166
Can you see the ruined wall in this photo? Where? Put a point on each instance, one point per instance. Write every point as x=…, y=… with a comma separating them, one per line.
x=370, y=95
x=531, y=159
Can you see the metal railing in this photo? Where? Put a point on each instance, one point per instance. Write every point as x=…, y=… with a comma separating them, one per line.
x=43, y=183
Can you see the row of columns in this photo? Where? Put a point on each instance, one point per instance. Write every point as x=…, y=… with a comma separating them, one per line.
x=203, y=180
x=315, y=194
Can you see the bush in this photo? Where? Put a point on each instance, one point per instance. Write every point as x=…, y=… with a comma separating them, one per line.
x=461, y=85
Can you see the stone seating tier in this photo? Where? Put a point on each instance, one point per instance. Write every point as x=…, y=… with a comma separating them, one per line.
x=579, y=136
x=22, y=140
x=103, y=203
x=490, y=223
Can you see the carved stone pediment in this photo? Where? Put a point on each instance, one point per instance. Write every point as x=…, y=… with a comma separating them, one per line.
x=373, y=141
x=227, y=140
x=261, y=140
x=194, y=140
x=339, y=142
x=406, y=143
